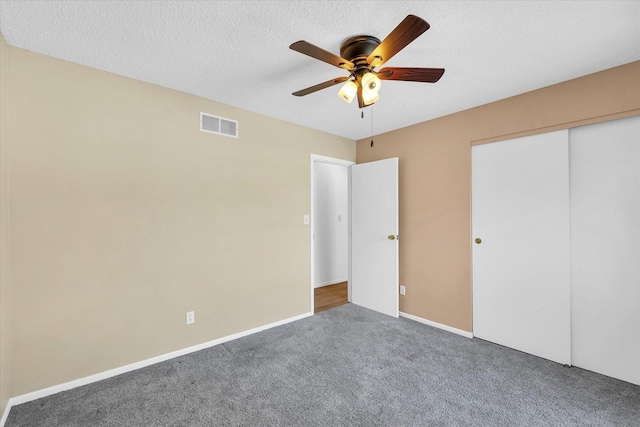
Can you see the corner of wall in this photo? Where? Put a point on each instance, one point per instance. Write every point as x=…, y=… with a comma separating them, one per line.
x=5, y=296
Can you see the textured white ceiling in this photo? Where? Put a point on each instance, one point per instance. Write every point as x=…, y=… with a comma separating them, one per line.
x=236, y=52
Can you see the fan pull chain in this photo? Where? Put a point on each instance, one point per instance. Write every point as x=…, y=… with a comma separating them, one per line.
x=372, y=126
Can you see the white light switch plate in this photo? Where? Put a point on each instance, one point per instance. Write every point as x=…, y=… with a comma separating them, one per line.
x=306, y=220
x=403, y=289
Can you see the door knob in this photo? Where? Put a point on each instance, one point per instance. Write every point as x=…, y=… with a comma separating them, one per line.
x=391, y=237
x=478, y=240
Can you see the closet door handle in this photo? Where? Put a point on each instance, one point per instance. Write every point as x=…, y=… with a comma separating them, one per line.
x=478, y=240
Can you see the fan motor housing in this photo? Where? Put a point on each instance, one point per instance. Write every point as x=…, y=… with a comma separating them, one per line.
x=356, y=49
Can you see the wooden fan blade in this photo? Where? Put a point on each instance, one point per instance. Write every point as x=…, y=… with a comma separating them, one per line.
x=408, y=30
x=320, y=86
x=321, y=54
x=426, y=75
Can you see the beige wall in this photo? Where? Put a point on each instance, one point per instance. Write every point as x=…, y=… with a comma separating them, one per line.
x=5, y=292
x=124, y=216
x=435, y=179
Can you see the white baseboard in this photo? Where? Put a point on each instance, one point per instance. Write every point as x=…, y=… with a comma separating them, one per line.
x=5, y=414
x=329, y=283
x=27, y=397
x=437, y=325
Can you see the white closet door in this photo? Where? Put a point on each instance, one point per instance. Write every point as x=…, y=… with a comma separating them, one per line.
x=605, y=248
x=521, y=268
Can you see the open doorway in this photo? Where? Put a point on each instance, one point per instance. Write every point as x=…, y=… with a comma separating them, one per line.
x=330, y=222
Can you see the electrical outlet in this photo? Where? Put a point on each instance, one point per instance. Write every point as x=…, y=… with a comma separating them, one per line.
x=191, y=317
x=403, y=289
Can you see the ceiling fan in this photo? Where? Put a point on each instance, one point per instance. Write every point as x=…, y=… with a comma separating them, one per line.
x=360, y=55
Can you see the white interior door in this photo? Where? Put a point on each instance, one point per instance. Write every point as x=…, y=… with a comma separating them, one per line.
x=374, y=221
x=605, y=248
x=521, y=270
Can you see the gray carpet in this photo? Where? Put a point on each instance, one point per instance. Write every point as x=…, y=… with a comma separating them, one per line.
x=345, y=367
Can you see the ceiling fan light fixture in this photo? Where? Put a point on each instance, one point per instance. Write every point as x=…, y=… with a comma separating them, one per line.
x=348, y=91
x=371, y=82
x=361, y=54
x=370, y=98
x=370, y=87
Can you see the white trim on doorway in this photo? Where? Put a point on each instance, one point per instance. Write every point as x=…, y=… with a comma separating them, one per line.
x=315, y=158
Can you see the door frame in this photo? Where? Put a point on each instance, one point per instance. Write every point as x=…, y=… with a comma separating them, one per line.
x=315, y=158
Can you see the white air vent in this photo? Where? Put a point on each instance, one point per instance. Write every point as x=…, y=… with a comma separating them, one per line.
x=218, y=125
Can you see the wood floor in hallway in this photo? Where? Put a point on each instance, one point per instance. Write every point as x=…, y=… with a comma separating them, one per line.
x=330, y=296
